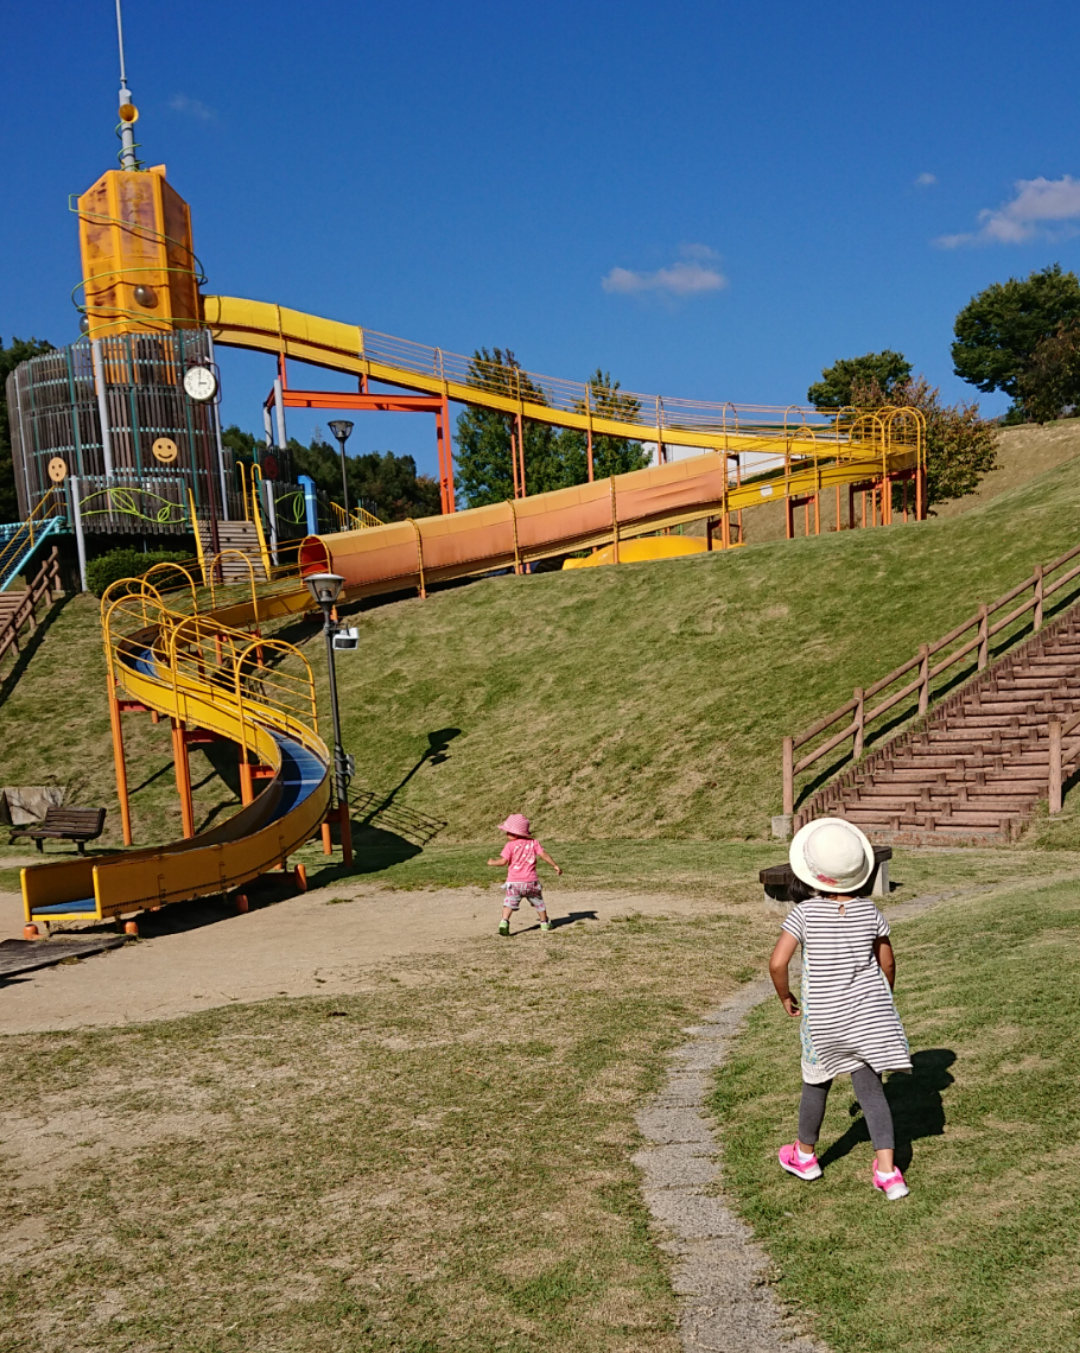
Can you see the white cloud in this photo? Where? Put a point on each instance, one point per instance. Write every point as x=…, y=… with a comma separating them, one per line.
x=182, y=103
x=926, y=181
x=692, y=274
x=1042, y=208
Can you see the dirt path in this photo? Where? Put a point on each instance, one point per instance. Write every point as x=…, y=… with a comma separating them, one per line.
x=720, y=1272
x=302, y=946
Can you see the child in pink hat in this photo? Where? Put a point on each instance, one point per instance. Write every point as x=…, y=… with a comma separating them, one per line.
x=520, y=855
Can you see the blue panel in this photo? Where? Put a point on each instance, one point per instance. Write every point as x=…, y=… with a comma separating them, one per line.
x=63, y=908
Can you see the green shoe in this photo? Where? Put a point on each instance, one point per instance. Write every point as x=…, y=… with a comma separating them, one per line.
x=545, y=925
x=504, y=927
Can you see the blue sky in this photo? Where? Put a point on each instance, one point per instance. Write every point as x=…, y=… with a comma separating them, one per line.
x=709, y=201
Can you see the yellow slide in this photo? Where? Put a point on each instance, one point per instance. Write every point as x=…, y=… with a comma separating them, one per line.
x=203, y=673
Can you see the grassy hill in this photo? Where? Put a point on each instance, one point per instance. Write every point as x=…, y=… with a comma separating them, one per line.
x=642, y=701
x=1022, y=454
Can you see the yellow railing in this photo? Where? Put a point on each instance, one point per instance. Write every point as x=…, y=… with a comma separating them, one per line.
x=356, y=519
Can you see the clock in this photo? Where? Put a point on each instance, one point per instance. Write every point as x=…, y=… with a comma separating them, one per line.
x=200, y=384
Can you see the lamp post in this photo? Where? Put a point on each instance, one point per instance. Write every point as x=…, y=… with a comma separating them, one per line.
x=325, y=588
x=342, y=430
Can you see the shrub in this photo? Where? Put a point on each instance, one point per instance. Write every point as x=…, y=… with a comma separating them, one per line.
x=128, y=563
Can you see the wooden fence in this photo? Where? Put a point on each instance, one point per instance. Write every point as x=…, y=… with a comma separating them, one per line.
x=24, y=611
x=858, y=713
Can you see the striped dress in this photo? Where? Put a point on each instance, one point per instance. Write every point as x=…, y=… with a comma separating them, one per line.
x=848, y=1016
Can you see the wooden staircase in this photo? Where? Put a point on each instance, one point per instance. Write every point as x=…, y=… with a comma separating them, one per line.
x=20, y=609
x=973, y=770
x=235, y=538
x=981, y=739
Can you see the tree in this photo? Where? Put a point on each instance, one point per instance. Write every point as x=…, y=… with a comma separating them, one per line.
x=1049, y=386
x=960, y=444
x=485, y=471
x=385, y=483
x=998, y=331
x=611, y=455
x=886, y=369
x=10, y=357
x=554, y=458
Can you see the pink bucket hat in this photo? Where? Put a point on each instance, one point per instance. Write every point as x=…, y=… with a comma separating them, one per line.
x=517, y=824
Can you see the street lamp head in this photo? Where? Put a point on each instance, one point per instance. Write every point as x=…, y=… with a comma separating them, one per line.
x=325, y=588
x=342, y=429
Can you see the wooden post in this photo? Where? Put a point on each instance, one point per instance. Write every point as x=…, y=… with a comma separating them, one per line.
x=120, y=764
x=789, y=775
x=860, y=711
x=924, y=677
x=1055, y=765
x=1038, y=597
x=984, y=637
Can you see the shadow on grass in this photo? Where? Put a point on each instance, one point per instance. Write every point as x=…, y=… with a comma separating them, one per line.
x=557, y=922
x=29, y=647
x=916, y=1105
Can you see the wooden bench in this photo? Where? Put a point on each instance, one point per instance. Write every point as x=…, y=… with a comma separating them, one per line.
x=65, y=824
x=777, y=878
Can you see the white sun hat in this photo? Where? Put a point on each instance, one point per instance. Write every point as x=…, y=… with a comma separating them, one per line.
x=832, y=855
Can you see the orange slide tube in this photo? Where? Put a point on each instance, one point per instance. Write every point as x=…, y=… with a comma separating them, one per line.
x=502, y=535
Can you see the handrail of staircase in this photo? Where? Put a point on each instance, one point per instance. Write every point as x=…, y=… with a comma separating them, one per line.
x=45, y=583
x=23, y=538
x=927, y=671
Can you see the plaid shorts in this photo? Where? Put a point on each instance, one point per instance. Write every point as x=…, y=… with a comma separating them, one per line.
x=516, y=891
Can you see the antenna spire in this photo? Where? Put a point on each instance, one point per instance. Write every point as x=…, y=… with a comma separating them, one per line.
x=128, y=112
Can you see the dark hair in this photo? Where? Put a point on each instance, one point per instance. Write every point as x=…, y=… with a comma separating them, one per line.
x=798, y=891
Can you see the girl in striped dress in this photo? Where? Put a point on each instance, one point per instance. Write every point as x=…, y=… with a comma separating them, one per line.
x=849, y=1023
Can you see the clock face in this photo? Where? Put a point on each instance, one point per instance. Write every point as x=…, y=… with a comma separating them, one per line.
x=200, y=383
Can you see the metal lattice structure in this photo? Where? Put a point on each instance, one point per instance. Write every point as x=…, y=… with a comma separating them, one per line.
x=56, y=411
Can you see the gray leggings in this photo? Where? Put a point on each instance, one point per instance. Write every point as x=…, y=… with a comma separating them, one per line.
x=871, y=1096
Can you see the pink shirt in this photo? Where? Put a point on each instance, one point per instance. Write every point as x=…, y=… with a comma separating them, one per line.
x=521, y=855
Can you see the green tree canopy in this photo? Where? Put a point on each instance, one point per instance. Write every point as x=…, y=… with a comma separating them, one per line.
x=17, y=351
x=998, y=331
x=554, y=458
x=886, y=369
x=960, y=443
x=383, y=482
x=1049, y=386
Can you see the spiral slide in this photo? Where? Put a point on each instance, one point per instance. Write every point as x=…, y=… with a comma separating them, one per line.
x=203, y=674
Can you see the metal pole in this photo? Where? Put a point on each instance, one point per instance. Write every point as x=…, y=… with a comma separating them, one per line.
x=344, y=481
x=271, y=514
x=80, y=541
x=127, y=129
x=279, y=415
x=341, y=777
x=103, y=405
x=217, y=438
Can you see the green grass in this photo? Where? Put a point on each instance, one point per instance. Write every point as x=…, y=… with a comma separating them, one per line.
x=650, y=700
x=641, y=702
x=441, y=1160
x=982, y=1257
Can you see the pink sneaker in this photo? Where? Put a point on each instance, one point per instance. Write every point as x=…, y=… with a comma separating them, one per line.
x=891, y=1185
x=801, y=1169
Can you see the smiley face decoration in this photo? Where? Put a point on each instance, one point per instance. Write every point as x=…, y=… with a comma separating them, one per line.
x=57, y=469
x=165, y=450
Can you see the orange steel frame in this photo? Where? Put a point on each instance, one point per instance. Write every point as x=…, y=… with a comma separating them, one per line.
x=363, y=400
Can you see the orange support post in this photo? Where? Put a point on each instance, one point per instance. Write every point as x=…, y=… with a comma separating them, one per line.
x=521, y=455
x=446, y=457
x=327, y=844
x=120, y=764
x=183, y=779
x=247, y=787
x=789, y=519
